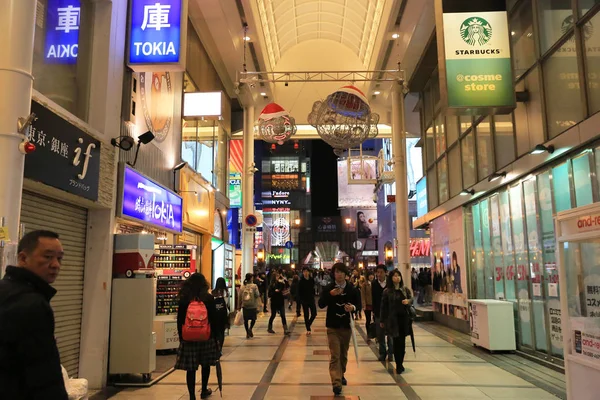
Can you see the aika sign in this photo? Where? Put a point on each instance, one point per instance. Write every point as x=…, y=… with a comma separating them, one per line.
x=156, y=33
x=63, y=19
x=146, y=201
x=66, y=157
x=475, y=53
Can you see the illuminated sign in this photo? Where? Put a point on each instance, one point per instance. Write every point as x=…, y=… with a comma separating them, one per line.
x=420, y=248
x=155, y=32
x=62, y=31
x=422, y=207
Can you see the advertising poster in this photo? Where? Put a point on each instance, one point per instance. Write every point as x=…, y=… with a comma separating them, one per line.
x=448, y=259
x=585, y=338
x=353, y=196
x=236, y=162
x=366, y=224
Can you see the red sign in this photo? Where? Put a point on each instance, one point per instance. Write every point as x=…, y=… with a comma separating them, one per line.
x=391, y=198
x=420, y=247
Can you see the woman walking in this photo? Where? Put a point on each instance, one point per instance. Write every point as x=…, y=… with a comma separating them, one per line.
x=192, y=354
x=221, y=295
x=278, y=286
x=395, y=317
x=366, y=295
x=249, y=302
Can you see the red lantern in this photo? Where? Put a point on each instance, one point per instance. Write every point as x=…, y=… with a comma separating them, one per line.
x=296, y=145
x=273, y=147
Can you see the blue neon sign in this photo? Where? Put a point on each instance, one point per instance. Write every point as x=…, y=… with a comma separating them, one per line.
x=155, y=32
x=149, y=202
x=62, y=31
x=422, y=205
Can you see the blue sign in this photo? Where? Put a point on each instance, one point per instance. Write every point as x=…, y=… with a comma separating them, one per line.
x=289, y=245
x=150, y=203
x=62, y=31
x=155, y=33
x=251, y=220
x=422, y=205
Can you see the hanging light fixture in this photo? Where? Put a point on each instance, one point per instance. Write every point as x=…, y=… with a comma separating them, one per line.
x=275, y=125
x=344, y=120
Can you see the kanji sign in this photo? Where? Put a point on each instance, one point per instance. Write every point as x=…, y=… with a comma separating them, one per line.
x=155, y=32
x=62, y=31
x=66, y=157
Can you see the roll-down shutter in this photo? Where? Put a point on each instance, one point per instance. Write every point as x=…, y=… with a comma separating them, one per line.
x=70, y=222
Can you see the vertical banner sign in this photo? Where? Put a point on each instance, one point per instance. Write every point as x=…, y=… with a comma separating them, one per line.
x=422, y=206
x=156, y=33
x=62, y=32
x=474, y=51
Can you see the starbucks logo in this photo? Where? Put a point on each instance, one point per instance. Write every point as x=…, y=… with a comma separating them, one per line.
x=587, y=29
x=476, y=31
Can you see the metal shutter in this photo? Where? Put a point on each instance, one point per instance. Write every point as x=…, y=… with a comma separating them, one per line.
x=70, y=222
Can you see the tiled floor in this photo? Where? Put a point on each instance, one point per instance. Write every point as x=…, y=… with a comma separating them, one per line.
x=274, y=367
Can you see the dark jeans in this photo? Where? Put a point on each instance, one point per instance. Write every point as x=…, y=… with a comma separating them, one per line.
x=399, y=350
x=308, y=321
x=277, y=309
x=265, y=299
x=381, y=338
x=368, y=314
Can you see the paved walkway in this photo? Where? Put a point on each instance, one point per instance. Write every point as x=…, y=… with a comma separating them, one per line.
x=296, y=367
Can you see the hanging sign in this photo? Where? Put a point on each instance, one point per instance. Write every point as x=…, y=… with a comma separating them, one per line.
x=156, y=35
x=475, y=59
x=62, y=31
x=422, y=206
x=144, y=200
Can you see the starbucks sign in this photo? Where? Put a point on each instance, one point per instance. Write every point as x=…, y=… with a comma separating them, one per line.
x=476, y=55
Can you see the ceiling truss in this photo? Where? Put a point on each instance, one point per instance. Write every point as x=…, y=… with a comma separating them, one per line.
x=321, y=76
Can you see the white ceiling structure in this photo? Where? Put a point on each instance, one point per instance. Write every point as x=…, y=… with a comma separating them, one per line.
x=312, y=35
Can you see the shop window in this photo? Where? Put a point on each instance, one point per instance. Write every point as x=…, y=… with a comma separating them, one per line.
x=561, y=187
x=586, y=5
x=466, y=123
x=454, y=168
x=429, y=146
x=442, y=168
x=478, y=254
x=440, y=136
x=485, y=150
x=62, y=53
x=562, y=89
x=521, y=261
x=529, y=124
x=432, y=189
x=468, y=160
x=536, y=272
x=522, y=39
x=553, y=310
x=452, y=129
x=555, y=19
x=507, y=248
x=497, y=259
x=488, y=268
x=592, y=58
x=581, y=261
x=504, y=136
x=582, y=180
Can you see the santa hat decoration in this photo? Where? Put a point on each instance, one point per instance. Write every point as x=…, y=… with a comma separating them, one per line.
x=355, y=91
x=272, y=110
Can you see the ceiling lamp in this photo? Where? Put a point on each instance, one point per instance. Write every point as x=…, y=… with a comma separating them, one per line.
x=344, y=120
x=275, y=125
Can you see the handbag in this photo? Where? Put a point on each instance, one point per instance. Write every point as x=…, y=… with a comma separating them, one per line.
x=412, y=312
x=239, y=319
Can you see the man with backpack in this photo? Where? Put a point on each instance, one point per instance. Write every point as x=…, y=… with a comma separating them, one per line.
x=249, y=302
x=29, y=358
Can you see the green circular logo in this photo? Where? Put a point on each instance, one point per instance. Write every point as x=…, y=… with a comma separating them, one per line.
x=476, y=31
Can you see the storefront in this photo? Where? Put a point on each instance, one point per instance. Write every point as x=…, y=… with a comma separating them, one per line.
x=511, y=246
x=62, y=199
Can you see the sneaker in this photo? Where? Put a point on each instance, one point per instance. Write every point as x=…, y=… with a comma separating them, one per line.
x=206, y=393
x=337, y=390
x=344, y=381
x=270, y=331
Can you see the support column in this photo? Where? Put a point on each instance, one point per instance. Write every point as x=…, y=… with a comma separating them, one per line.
x=248, y=191
x=399, y=150
x=17, y=29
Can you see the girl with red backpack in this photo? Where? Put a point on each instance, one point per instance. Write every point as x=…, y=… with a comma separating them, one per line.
x=197, y=326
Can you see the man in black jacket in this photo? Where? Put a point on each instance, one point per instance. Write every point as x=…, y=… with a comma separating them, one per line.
x=29, y=359
x=340, y=298
x=379, y=285
x=306, y=297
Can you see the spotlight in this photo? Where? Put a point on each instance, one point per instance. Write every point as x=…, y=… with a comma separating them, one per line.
x=497, y=175
x=263, y=94
x=246, y=38
x=540, y=148
x=144, y=138
x=395, y=36
x=377, y=92
x=124, y=143
x=287, y=84
x=467, y=192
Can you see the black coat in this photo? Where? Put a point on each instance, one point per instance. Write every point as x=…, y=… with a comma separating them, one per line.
x=217, y=326
x=306, y=291
x=29, y=358
x=337, y=317
x=276, y=293
x=394, y=314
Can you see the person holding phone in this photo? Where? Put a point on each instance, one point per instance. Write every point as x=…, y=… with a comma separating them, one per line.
x=341, y=298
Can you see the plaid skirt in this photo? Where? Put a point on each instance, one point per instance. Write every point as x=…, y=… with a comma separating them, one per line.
x=191, y=355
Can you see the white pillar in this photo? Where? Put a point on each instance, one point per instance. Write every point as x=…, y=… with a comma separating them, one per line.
x=248, y=191
x=17, y=28
x=399, y=150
